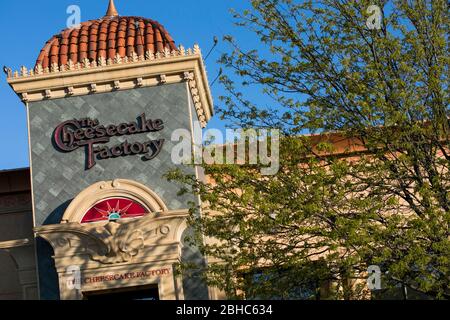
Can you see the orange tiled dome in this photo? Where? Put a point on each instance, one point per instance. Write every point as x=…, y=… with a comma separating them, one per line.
x=106, y=38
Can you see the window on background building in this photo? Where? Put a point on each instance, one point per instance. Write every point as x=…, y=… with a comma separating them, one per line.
x=284, y=284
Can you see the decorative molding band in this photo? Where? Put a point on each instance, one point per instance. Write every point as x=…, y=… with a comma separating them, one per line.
x=118, y=74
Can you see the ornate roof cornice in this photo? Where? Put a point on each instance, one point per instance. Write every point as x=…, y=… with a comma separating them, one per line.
x=103, y=75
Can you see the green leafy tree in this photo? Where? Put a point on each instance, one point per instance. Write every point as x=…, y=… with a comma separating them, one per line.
x=327, y=68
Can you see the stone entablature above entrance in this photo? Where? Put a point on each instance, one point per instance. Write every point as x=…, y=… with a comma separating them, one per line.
x=151, y=238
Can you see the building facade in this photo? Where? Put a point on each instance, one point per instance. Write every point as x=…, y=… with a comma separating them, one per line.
x=93, y=216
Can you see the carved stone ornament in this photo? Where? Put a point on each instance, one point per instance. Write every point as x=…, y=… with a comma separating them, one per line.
x=121, y=241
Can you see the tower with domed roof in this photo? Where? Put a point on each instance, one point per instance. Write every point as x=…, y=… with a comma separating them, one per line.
x=103, y=102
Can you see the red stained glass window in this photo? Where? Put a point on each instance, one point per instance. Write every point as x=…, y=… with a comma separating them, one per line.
x=114, y=209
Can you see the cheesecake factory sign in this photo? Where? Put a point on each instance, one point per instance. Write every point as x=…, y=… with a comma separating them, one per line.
x=89, y=133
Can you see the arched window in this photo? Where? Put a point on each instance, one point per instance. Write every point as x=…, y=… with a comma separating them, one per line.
x=114, y=208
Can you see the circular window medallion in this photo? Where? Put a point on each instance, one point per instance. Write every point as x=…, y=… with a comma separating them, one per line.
x=113, y=209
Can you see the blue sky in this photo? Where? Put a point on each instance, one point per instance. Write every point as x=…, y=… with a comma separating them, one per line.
x=26, y=26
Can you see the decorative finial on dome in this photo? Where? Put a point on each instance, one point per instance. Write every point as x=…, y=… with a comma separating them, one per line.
x=112, y=11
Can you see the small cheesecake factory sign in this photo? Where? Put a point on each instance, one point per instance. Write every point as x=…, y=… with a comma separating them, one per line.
x=127, y=276
x=89, y=133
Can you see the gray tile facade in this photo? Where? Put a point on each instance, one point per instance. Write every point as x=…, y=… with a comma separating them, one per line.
x=58, y=177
